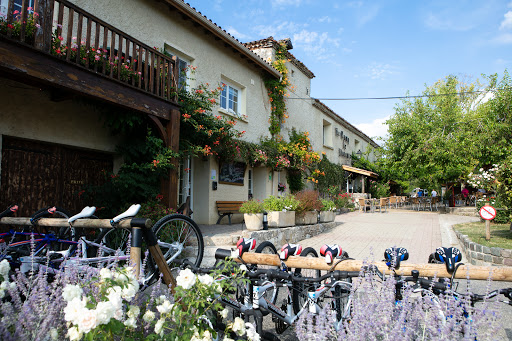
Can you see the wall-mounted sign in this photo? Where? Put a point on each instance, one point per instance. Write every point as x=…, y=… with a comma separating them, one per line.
x=232, y=173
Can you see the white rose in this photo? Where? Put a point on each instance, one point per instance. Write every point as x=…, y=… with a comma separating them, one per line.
x=118, y=314
x=122, y=278
x=129, y=291
x=117, y=290
x=104, y=312
x=159, y=327
x=4, y=269
x=134, y=311
x=217, y=287
x=243, y=267
x=205, y=279
x=74, y=334
x=148, y=316
x=71, y=291
x=207, y=336
x=224, y=313
x=165, y=307
x=105, y=273
x=238, y=326
x=74, y=309
x=87, y=321
x=131, y=322
x=251, y=332
x=186, y=279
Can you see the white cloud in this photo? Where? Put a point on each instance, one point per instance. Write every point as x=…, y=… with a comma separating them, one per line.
x=379, y=71
x=240, y=36
x=502, y=39
x=507, y=22
x=446, y=22
x=377, y=128
x=279, y=3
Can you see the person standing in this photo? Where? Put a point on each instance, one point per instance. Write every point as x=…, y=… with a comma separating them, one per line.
x=433, y=193
x=420, y=193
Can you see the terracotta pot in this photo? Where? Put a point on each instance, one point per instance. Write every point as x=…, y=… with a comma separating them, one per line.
x=326, y=216
x=281, y=219
x=253, y=221
x=306, y=218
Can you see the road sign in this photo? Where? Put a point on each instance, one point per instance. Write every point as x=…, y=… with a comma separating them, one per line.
x=488, y=212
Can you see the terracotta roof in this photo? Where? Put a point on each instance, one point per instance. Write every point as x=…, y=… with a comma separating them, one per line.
x=196, y=16
x=317, y=103
x=271, y=42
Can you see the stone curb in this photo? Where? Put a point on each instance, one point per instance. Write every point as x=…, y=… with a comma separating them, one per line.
x=482, y=255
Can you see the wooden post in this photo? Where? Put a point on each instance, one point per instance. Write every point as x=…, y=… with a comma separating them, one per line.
x=173, y=136
x=43, y=34
x=426, y=270
x=135, y=251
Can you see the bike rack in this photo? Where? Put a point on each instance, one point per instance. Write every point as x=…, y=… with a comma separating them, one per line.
x=141, y=228
x=426, y=270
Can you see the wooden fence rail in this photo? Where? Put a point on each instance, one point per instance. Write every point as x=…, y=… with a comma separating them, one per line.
x=426, y=270
x=60, y=28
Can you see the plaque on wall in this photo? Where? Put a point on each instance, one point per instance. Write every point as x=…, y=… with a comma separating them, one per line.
x=232, y=173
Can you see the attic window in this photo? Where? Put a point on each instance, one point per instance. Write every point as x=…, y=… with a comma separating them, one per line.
x=307, y=91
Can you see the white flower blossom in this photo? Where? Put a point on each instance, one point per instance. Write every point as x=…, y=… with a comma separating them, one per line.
x=205, y=279
x=159, y=327
x=207, y=336
x=224, y=313
x=251, y=332
x=165, y=307
x=186, y=279
x=243, y=267
x=2, y=293
x=134, y=311
x=105, y=273
x=238, y=326
x=131, y=322
x=104, y=312
x=74, y=334
x=130, y=290
x=87, y=320
x=54, y=334
x=148, y=316
x=74, y=309
x=71, y=291
x=4, y=269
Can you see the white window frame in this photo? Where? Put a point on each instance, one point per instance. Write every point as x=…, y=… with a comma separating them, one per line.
x=225, y=96
x=184, y=60
x=250, y=181
x=224, y=106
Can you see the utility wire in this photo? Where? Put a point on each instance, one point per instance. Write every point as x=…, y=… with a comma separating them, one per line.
x=398, y=97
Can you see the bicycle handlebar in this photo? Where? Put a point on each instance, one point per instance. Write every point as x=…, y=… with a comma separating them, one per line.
x=9, y=211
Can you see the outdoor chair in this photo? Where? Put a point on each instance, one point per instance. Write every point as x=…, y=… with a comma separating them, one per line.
x=363, y=204
x=381, y=203
x=393, y=201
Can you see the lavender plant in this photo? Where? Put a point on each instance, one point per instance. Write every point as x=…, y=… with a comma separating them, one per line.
x=377, y=315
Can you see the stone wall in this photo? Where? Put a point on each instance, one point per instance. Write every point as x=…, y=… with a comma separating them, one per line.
x=281, y=236
x=482, y=255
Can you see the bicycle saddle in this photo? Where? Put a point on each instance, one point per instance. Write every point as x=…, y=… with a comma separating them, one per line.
x=243, y=245
x=447, y=255
x=9, y=211
x=394, y=255
x=131, y=212
x=290, y=250
x=86, y=212
x=330, y=252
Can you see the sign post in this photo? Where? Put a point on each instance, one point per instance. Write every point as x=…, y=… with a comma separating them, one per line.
x=487, y=213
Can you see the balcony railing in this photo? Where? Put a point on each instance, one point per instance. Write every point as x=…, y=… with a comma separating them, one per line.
x=67, y=32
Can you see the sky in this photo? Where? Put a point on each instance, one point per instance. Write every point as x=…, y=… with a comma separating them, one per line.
x=388, y=48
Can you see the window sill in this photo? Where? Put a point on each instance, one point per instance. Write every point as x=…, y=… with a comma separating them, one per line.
x=242, y=118
x=328, y=147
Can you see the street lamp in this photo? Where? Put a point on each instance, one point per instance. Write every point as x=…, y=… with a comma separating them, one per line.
x=359, y=153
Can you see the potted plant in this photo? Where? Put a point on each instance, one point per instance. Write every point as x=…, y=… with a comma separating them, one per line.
x=281, y=211
x=253, y=214
x=327, y=211
x=306, y=212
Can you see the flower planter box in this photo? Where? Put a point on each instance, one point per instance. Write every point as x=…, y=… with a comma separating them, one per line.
x=326, y=216
x=306, y=218
x=253, y=221
x=281, y=218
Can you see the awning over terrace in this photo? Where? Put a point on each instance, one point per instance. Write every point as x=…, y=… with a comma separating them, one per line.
x=360, y=171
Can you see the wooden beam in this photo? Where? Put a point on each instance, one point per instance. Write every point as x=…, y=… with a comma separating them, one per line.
x=29, y=64
x=63, y=222
x=161, y=129
x=426, y=270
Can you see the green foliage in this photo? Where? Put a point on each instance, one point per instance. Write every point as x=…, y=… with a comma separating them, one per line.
x=286, y=203
x=276, y=92
x=308, y=201
x=15, y=27
x=327, y=205
x=502, y=211
x=343, y=200
x=504, y=177
x=252, y=206
x=378, y=189
x=295, y=180
x=154, y=209
x=442, y=137
x=334, y=175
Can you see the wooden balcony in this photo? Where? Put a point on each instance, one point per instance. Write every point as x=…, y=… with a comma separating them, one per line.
x=56, y=43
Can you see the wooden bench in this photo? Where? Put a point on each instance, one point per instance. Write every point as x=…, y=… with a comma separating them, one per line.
x=227, y=208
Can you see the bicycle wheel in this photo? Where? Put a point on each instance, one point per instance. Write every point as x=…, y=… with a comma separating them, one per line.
x=268, y=248
x=67, y=232
x=115, y=239
x=179, y=238
x=300, y=290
